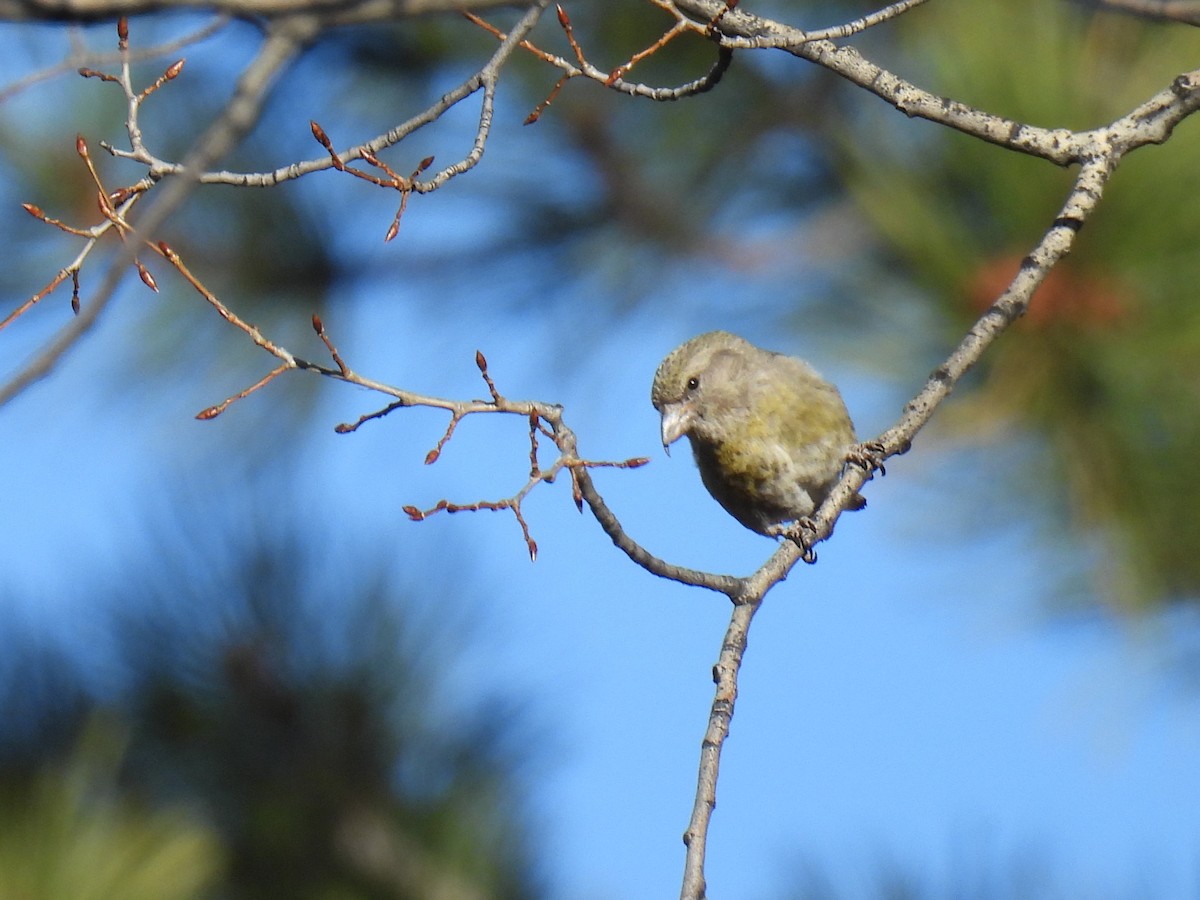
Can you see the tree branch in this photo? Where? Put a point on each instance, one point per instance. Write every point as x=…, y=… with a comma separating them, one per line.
x=1058, y=145
x=283, y=41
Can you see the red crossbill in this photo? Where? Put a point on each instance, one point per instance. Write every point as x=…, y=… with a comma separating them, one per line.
x=770, y=436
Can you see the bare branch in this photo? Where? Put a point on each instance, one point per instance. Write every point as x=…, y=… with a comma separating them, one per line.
x=485, y=79
x=283, y=41
x=1060, y=146
x=85, y=63
x=725, y=676
x=612, y=78
x=857, y=26
x=1008, y=307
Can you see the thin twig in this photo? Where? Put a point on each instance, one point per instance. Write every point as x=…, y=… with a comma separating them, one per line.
x=86, y=63
x=611, y=78
x=284, y=39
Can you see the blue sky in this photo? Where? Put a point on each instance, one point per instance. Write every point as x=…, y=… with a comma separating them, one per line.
x=916, y=696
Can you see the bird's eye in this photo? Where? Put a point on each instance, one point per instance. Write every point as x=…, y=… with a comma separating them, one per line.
x=693, y=383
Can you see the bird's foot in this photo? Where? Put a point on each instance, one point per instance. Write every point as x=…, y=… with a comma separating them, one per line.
x=801, y=533
x=868, y=455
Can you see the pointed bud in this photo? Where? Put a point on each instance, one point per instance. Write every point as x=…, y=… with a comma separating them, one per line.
x=147, y=278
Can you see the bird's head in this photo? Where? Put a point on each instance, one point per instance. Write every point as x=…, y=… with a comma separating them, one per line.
x=694, y=380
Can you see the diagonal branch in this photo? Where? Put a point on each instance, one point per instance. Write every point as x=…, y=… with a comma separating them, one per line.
x=284, y=40
x=1055, y=244
x=1058, y=145
x=485, y=79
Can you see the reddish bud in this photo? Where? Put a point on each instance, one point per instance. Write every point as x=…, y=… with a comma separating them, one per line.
x=147, y=278
x=532, y=551
x=563, y=20
x=35, y=211
x=480, y=361
x=75, y=303
x=393, y=230
x=424, y=164
x=317, y=324
x=413, y=513
x=173, y=70
x=205, y=414
x=81, y=146
x=120, y=195
x=432, y=456
x=343, y=428
x=123, y=29
x=319, y=133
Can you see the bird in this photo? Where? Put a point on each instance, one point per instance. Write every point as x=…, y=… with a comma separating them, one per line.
x=770, y=436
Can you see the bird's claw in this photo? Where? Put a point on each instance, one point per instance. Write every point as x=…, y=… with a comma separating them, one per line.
x=801, y=533
x=869, y=456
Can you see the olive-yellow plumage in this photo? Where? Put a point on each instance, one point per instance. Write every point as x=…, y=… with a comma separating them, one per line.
x=770, y=436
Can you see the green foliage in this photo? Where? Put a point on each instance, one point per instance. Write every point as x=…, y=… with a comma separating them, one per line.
x=281, y=733
x=69, y=832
